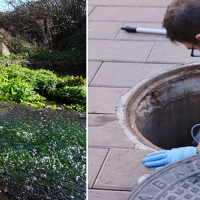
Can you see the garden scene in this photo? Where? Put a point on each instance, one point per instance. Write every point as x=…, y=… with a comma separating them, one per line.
x=43, y=99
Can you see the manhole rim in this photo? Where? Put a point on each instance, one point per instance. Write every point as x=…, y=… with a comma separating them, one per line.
x=122, y=105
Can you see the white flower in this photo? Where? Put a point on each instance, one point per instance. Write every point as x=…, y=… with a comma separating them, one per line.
x=18, y=134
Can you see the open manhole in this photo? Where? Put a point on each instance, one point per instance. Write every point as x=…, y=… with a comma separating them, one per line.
x=177, y=181
x=159, y=112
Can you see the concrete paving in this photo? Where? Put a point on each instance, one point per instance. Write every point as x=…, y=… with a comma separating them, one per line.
x=118, y=60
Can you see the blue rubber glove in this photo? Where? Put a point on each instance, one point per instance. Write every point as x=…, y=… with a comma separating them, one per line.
x=164, y=157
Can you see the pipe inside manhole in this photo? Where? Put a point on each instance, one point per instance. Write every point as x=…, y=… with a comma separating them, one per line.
x=161, y=110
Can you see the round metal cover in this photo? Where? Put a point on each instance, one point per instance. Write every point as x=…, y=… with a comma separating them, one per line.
x=176, y=181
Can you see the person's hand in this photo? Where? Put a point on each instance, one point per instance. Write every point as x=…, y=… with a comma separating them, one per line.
x=164, y=157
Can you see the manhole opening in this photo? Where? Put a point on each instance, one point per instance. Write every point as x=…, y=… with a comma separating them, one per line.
x=162, y=111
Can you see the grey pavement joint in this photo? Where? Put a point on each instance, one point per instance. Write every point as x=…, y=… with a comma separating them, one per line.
x=92, y=70
x=167, y=52
x=107, y=195
x=104, y=30
x=127, y=74
x=154, y=3
x=104, y=132
x=119, y=51
x=127, y=14
x=122, y=169
x=90, y=9
x=113, y=2
x=96, y=159
x=103, y=99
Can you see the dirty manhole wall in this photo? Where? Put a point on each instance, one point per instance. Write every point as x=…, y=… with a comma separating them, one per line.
x=163, y=109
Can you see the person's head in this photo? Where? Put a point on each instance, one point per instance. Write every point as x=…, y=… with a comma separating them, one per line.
x=182, y=22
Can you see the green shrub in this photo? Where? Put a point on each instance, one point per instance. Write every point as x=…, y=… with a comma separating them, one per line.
x=19, y=91
x=71, y=56
x=75, y=81
x=75, y=94
x=21, y=84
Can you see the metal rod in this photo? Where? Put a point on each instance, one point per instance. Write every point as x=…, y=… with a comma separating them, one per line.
x=144, y=30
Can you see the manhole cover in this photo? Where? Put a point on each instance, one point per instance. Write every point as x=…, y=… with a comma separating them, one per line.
x=177, y=181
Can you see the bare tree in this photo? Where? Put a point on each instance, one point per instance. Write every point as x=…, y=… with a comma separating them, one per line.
x=42, y=22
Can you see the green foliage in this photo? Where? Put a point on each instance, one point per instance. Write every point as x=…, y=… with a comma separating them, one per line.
x=76, y=107
x=4, y=99
x=76, y=94
x=49, y=154
x=44, y=54
x=74, y=55
x=19, y=91
x=76, y=81
x=21, y=84
x=3, y=77
x=21, y=47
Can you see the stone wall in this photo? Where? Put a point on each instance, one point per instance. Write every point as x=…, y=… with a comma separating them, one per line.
x=1, y=45
x=4, y=51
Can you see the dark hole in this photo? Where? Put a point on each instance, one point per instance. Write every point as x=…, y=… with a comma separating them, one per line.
x=170, y=127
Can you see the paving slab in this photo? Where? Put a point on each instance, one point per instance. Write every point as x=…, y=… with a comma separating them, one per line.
x=96, y=158
x=123, y=170
x=92, y=69
x=104, y=100
x=123, y=35
x=126, y=51
x=127, y=14
x=112, y=74
x=154, y=3
x=168, y=52
x=104, y=30
x=107, y=195
x=104, y=132
x=113, y=2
